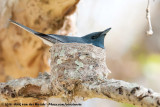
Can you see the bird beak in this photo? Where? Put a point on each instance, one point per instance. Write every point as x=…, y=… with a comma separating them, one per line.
x=106, y=31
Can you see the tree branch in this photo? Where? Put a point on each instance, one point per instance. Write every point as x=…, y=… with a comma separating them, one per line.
x=78, y=70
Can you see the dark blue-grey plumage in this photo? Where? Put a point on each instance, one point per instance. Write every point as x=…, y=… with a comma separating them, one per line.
x=96, y=38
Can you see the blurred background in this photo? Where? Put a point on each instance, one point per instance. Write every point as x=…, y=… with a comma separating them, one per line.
x=131, y=54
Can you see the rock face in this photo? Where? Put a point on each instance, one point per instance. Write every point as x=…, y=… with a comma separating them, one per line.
x=21, y=53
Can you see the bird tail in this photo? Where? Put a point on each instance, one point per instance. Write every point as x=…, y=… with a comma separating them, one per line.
x=47, y=39
x=24, y=27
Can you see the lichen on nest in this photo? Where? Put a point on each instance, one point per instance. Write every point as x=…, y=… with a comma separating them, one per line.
x=75, y=63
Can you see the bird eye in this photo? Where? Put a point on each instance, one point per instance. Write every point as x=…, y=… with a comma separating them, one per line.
x=94, y=37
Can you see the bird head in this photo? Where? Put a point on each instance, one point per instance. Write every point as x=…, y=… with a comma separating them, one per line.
x=96, y=38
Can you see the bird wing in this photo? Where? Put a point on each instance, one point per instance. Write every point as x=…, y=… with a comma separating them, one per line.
x=67, y=39
x=49, y=39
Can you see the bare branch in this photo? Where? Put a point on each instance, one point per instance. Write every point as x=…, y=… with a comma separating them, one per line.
x=125, y=92
x=78, y=70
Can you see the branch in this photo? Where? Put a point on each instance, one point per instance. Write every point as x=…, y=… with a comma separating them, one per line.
x=125, y=92
x=78, y=70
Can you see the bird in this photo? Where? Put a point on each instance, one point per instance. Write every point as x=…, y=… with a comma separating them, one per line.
x=95, y=38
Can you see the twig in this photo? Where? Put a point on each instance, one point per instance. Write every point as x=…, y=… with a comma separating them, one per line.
x=148, y=16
